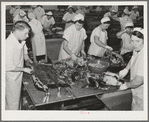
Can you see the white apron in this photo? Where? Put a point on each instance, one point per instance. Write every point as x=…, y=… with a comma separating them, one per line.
x=14, y=58
x=137, y=66
x=38, y=40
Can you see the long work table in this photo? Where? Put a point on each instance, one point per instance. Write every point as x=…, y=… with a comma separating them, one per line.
x=112, y=98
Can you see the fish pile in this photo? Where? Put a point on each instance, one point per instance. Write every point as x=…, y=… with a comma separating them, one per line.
x=46, y=77
x=115, y=59
x=60, y=74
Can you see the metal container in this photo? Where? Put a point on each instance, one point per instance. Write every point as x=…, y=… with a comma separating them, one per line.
x=98, y=70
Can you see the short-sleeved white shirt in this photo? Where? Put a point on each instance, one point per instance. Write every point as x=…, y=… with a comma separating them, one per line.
x=46, y=23
x=126, y=46
x=68, y=17
x=94, y=49
x=75, y=40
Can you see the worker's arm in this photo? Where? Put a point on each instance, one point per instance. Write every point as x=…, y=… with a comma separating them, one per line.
x=82, y=50
x=136, y=82
x=65, y=47
x=100, y=44
x=119, y=34
x=28, y=61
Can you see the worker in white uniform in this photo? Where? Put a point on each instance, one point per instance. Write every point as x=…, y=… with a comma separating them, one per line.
x=136, y=67
x=125, y=19
x=39, y=12
x=99, y=38
x=74, y=36
x=38, y=40
x=68, y=18
x=16, y=53
x=48, y=22
x=112, y=14
x=17, y=11
x=134, y=15
x=125, y=35
x=20, y=17
x=80, y=11
x=32, y=7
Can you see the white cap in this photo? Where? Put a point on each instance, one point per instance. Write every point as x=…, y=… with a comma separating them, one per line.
x=70, y=6
x=141, y=30
x=113, y=10
x=135, y=7
x=126, y=11
x=22, y=13
x=105, y=19
x=79, y=17
x=129, y=24
x=49, y=13
x=31, y=16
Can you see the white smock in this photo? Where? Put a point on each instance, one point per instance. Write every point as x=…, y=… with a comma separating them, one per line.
x=14, y=58
x=68, y=17
x=47, y=23
x=38, y=40
x=137, y=69
x=94, y=49
x=126, y=45
x=75, y=40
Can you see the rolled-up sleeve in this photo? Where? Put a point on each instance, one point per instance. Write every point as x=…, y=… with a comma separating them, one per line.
x=9, y=57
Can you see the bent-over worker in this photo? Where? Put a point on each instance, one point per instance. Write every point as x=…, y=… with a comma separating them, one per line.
x=99, y=38
x=74, y=37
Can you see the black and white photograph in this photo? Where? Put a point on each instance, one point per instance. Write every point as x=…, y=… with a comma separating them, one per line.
x=74, y=60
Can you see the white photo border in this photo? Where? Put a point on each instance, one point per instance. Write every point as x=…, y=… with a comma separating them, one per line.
x=72, y=115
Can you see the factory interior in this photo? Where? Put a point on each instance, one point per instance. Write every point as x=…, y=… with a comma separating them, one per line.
x=76, y=93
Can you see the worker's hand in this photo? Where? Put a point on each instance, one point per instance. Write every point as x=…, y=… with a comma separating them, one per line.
x=28, y=62
x=123, y=87
x=73, y=57
x=109, y=48
x=28, y=70
x=83, y=53
x=123, y=73
x=118, y=55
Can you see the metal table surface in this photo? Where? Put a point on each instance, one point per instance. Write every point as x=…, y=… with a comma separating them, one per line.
x=66, y=93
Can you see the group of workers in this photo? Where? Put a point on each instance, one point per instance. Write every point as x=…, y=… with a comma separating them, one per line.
x=72, y=47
